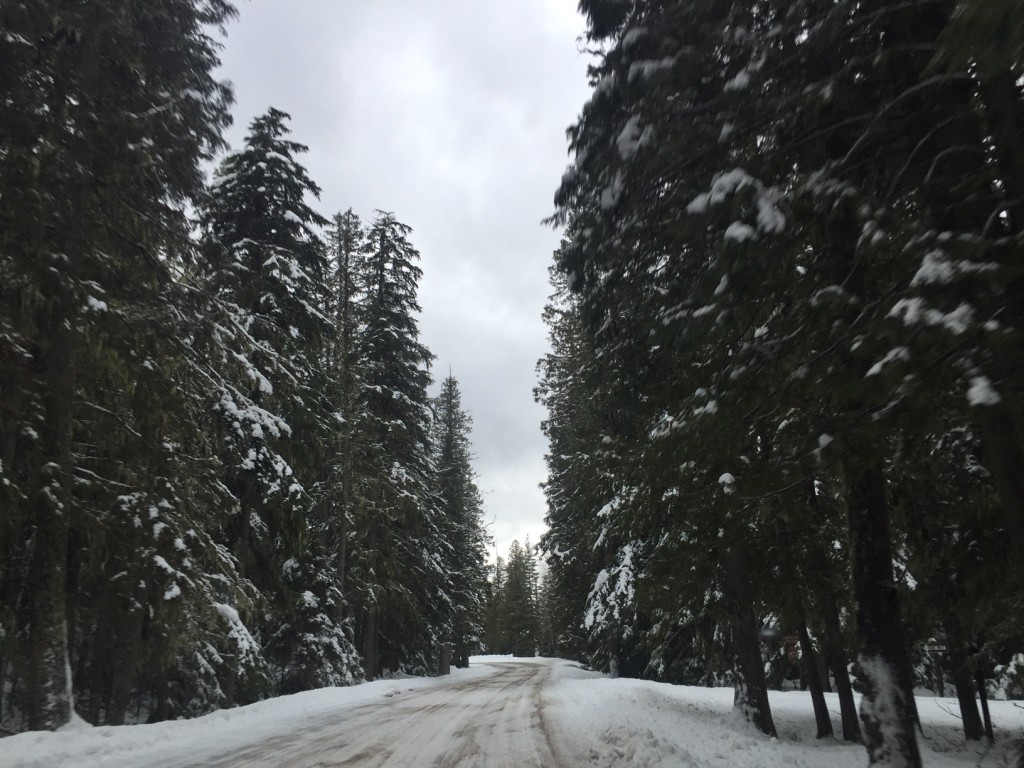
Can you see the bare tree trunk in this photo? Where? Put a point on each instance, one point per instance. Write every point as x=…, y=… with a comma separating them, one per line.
x=887, y=707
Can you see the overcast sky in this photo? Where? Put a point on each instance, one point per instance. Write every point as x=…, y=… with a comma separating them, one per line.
x=452, y=114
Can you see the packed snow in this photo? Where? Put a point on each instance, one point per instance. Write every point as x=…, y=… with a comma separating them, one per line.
x=504, y=711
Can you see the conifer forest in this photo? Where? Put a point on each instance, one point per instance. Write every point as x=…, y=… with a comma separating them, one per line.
x=783, y=397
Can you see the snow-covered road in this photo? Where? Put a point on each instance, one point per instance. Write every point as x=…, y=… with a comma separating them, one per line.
x=502, y=712
x=486, y=721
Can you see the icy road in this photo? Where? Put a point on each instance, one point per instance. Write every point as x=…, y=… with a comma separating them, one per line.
x=500, y=712
x=489, y=721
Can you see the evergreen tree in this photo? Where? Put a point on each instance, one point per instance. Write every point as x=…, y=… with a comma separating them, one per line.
x=109, y=112
x=519, y=602
x=405, y=593
x=461, y=526
x=774, y=277
x=265, y=259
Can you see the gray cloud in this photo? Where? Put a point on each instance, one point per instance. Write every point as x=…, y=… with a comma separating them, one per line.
x=452, y=114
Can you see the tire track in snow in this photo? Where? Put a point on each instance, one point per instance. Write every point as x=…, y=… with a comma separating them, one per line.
x=492, y=722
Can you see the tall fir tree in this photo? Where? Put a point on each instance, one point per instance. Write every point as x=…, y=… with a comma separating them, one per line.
x=461, y=507
x=265, y=259
x=109, y=113
x=406, y=595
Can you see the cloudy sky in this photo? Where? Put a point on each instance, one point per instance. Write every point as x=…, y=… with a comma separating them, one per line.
x=452, y=114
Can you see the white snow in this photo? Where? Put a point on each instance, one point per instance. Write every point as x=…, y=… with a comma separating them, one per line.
x=646, y=68
x=723, y=185
x=914, y=310
x=632, y=137
x=981, y=392
x=739, y=232
x=937, y=269
x=590, y=719
x=739, y=82
x=769, y=217
x=194, y=742
x=898, y=353
x=602, y=722
x=611, y=194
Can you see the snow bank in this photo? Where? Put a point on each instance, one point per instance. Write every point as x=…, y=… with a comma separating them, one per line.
x=587, y=718
x=184, y=742
x=597, y=721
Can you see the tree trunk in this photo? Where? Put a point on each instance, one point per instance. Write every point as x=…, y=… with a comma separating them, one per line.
x=48, y=689
x=370, y=644
x=796, y=614
x=1002, y=432
x=444, y=665
x=826, y=684
x=1002, y=448
x=822, y=718
x=751, y=688
x=129, y=649
x=887, y=707
x=613, y=654
x=835, y=648
x=963, y=679
x=979, y=679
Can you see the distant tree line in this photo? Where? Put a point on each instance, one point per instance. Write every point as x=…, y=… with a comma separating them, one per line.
x=786, y=387
x=221, y=475
x=516, y=619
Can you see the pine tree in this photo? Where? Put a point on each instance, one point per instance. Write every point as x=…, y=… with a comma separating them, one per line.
x=265, y=259
x=461, y=507
x=109, y=112
x=518, y=600
x=776, y=223
x=405, y=593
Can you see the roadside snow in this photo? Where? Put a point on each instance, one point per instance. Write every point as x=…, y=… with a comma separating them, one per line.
x=597, y=721
x=179, y=742
x=586, y=718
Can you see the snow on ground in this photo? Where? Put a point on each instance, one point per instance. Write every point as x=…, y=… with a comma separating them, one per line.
x=586, y=718
x=603, y=722
x=188, y=741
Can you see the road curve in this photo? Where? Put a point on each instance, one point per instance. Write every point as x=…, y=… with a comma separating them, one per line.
x=494, y=721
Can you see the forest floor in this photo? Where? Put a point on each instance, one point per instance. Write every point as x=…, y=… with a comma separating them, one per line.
x=501, y=712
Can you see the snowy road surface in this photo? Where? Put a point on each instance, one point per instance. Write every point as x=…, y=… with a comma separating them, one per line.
x=502, y=712
x=488, y=721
